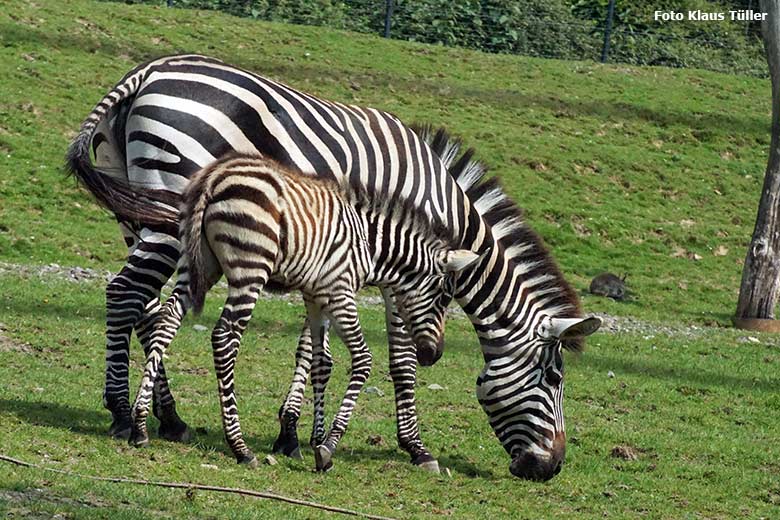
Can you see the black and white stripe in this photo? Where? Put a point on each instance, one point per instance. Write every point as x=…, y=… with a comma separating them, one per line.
x=254, y=221
x=177, y=114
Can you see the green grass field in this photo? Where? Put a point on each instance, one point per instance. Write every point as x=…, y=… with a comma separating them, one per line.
x=647, y=171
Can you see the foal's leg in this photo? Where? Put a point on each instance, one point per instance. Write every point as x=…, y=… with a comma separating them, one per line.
x=343, y=312
x=403, y=371
x=166, y=327
x=171, y=427
x=225, y=341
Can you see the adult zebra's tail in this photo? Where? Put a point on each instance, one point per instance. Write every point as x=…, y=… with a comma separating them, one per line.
x=115, y=192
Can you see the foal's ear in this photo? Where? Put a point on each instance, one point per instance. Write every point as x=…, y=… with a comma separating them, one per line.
x=456, y=260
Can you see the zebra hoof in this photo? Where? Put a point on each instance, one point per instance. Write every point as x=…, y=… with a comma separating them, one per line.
x=120, y=428
x=323, y=458
x=175, y=433
x=138, y=438
x=287, y=444
x=249, y=460
x=430, y=466
x=427, y=463
x=288, y=450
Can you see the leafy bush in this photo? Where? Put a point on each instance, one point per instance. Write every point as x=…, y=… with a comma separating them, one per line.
x=566, y=29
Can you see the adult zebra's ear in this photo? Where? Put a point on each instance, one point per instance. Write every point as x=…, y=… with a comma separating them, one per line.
x=569, y=328
x=457, y=259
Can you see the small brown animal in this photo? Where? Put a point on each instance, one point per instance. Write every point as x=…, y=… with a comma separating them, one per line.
x=609, y=285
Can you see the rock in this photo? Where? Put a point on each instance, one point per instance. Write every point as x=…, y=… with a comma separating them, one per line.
x=373, y=390
x=209, y=466
x=199, y=327
x=610, y=374
x=270, y=460
x=434, y=386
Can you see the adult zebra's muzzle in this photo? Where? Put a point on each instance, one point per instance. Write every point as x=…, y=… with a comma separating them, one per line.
x=429, y=352
x=538, y=465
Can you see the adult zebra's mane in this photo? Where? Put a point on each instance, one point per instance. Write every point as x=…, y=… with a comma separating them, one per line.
x=522, y=246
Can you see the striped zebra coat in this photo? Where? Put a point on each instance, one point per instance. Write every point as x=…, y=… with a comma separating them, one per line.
x=254, y=221
x=167, y=118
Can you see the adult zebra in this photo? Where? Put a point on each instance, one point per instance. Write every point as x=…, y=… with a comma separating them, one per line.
x=168, y=117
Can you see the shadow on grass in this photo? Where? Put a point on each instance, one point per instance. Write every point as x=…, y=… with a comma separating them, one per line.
x=95, y=423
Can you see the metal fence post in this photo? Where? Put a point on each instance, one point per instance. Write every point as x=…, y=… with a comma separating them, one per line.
x=388, y=17
x=608, y=31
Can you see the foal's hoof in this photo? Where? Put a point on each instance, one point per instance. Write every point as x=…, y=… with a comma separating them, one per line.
x=427, y=463
x=120, y=428
x=175, y=432
x=323, y=458
x=138, y=438
x=249, y=460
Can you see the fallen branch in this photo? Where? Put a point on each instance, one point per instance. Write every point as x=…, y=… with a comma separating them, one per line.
x=202, y=487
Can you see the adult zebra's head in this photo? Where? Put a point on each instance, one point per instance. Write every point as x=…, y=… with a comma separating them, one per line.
x=522, y=394
x=525, y=314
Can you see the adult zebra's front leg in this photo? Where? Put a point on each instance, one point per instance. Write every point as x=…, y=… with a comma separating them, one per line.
x=342, y=310
x=403, y=371
x=132, y=302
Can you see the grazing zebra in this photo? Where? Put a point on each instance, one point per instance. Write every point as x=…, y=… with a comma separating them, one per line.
x=167, y=118
x=255, y=221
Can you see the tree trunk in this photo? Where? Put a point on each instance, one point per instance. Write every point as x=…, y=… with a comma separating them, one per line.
x=761, y=273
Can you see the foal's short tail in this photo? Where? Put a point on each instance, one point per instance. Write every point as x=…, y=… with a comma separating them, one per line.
x=195, y=200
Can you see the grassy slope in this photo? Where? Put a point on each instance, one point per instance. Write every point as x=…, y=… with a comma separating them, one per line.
x=617, y=166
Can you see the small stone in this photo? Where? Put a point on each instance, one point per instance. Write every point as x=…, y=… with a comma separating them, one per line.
x=610, y=374
x=434, y=386
x=209, y=466
x=270, y=460
x=375, y=440
x=373, y=390
x=625, y=453
x=199, y=327
x=753, y=339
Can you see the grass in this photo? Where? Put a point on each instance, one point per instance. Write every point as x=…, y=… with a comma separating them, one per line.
x=693, y=410
x=637, y=170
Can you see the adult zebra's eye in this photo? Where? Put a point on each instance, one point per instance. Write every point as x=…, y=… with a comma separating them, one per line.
x=552, y=377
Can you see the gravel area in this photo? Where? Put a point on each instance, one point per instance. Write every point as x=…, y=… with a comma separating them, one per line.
x=612, y=324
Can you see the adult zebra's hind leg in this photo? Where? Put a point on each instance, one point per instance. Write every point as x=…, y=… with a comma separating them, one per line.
x=287, y=441
x=403, y=371
x=131, y=301
x=319, y=364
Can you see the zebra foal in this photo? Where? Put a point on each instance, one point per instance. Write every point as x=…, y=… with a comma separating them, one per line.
x=256, y=222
